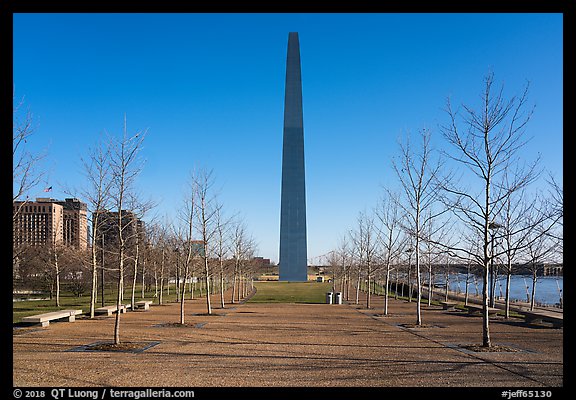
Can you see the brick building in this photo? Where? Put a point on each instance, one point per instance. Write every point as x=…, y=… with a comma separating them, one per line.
x=48, y=221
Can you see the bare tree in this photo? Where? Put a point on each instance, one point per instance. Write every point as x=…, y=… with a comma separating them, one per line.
x=158, y=237
x=388, y=213
x=206, y=212
x=243, y=247
x=331, y=259
x=76, y=262
x=436, y=230
x=344, y=261
x=486, y=147
x=96, y=170
x=340, y=262
x=55, y=249
x=126, y=165
x=365, y=240
x=136, y=237
x=418, y=171
x=184, y=245
x=185, y=236
x=540, y=246
x=26, y=174
x=152, y=256
x=429, y=257
x=556, y=202
x=356, y=261
x=51, y=259
x=512, y=231
x=221, y=248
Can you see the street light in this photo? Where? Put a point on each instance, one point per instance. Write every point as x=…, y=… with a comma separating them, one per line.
x=493, y=226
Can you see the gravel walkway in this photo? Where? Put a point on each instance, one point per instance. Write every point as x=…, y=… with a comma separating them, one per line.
x=289, y=345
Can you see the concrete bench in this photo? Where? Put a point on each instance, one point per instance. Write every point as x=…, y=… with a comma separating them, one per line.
x=477, y=309
x=44, y=319
x=145, y=304
x=534, y=317
x=448, y=305
x=108, y=310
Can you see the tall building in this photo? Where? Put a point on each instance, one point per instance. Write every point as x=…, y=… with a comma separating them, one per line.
x=107, y=231
x=75, y=223
x=293, y=251
x=48, y=221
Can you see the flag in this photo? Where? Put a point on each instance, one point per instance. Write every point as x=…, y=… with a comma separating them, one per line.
x=48, y=189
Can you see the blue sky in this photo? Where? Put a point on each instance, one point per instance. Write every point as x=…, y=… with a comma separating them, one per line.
x=209, y=88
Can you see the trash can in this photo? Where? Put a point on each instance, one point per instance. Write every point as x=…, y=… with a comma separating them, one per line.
x=338, y=298
x=329, y=298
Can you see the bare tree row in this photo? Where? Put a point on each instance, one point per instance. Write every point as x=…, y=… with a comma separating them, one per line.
x=202, y=250
x=473, y=201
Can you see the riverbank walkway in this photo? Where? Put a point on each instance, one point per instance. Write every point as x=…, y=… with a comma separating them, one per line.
x=290, y=345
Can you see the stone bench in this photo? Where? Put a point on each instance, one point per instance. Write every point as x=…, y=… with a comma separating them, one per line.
x=108, y=310
x=448, y=305
x=44, y=319
x=477, y=309
x=144, y=304
x=532, y=317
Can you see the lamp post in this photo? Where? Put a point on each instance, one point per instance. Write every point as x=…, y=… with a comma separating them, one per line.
x=493, y=226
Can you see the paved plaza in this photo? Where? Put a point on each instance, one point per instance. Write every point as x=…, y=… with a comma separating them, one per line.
x=290, y=345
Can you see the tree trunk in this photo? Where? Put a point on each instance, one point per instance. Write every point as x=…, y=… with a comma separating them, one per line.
x=485, y=299
x=133, y=294
x=57, y=267
x=222, y=287
x=348, y=283
x=234, y=286
x=177, y=282
x=182, y=293
x=409, y=282
x=396, y=285
x=507, y=302
x=94, y=287
x=386, y=289
x=447, y=284
x=119, y=299
x=102, y=275
x=155, y=283
x=368, y=290
x=467, y=284
x=182, y=304
x=430, y=284
x=143, y=277
x=418, y=289
x=208, y=306
x=160, y=297
x=358, y=288
x=533, y=294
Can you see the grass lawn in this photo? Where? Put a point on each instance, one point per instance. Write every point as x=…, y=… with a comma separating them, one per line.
x=290, y=292
x=22, y=309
